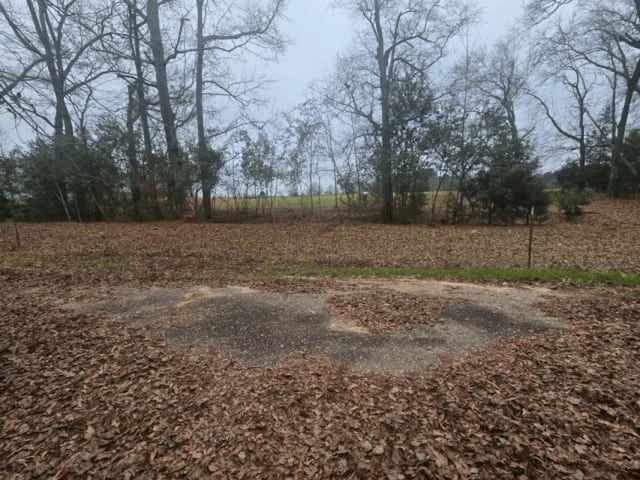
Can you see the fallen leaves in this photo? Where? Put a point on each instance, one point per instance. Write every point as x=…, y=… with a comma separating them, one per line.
x=607, y=238
x=381, y=312
x=82, y=396
x=87, y=397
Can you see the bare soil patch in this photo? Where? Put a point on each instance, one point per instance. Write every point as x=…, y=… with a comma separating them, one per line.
x=386, y=330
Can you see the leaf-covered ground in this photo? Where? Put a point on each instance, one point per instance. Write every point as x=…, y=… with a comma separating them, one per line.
x=608, y=238
x=84, y=396
x=381, y=312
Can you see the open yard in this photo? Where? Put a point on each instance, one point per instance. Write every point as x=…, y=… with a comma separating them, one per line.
x=317, y=350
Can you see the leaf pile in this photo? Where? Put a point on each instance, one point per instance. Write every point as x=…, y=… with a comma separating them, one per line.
x=382, y=311
x=84, y=397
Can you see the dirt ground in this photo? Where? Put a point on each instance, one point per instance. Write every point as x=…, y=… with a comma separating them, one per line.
x=261, y=328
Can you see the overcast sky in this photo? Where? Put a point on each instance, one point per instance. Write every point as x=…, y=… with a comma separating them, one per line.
x=319, y=33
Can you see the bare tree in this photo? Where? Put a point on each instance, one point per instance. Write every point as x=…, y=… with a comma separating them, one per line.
x=234, y=27
x=125, y=49
x=51, y=52
x=175, y=189
x=47, y=79
x=607, y=36
x=502, y=76
x=413, y=34
x=129, y=51
x=134, y=21
x=578, y=81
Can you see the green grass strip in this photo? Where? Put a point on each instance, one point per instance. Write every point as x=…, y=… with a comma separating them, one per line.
x=472, y=274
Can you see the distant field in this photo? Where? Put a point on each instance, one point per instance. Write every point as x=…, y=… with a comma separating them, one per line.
x=303, y=202
x=324, y=201
x=319, y=203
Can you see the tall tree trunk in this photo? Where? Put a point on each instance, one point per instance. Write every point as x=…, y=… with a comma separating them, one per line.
x=618, y=145
x=132, y=156
x=583, y=135
x=385, y=165
x=175, y=188
x=62, y=125
x=148, y=173
x=134, y=40
x=203, y=148
x=582, y=143
x=513, y=127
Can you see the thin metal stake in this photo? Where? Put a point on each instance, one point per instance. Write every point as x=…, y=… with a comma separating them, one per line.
x=530, y=236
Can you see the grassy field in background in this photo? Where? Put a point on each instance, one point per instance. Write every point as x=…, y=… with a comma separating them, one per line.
x=306, y=202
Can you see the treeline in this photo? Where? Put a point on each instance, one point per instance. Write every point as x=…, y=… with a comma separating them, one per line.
x=143, y=110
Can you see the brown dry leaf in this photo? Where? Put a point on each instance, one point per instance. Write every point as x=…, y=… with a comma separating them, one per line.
x=89, y=432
